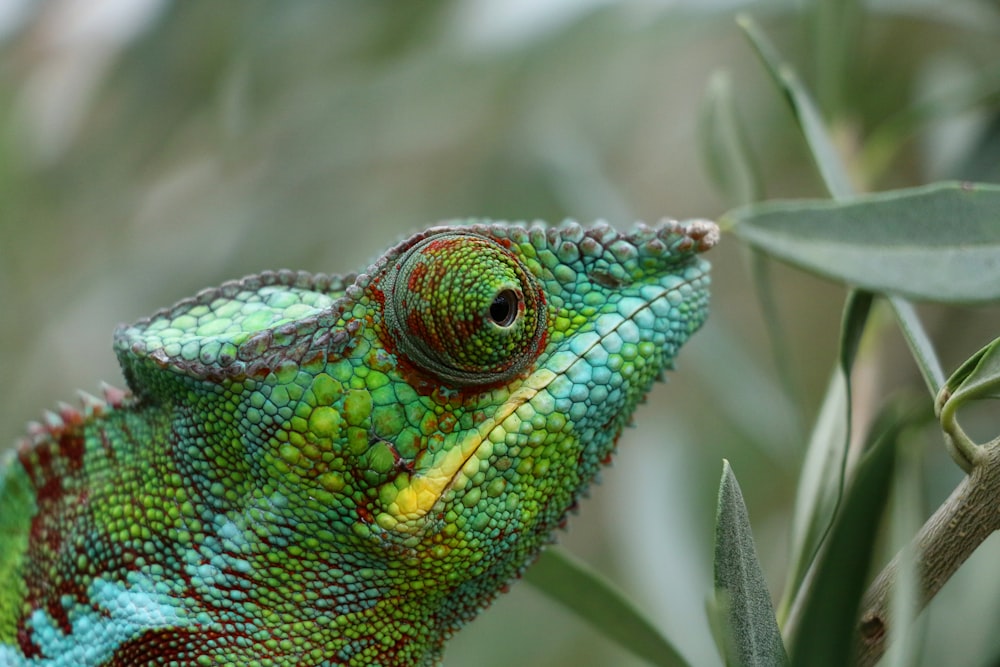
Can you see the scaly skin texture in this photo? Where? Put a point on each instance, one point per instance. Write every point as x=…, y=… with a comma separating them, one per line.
x=316, y=470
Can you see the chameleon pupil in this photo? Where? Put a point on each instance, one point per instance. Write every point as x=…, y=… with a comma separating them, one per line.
x=503, y=310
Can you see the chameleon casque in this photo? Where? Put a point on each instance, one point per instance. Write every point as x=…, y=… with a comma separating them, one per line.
x=339, y=470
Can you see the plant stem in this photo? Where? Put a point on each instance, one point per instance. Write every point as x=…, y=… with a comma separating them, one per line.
x=945, y=541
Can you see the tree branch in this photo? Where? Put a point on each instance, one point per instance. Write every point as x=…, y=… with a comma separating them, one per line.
x=949, y=537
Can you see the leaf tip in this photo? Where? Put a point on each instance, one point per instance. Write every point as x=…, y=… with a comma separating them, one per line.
x=745, y=21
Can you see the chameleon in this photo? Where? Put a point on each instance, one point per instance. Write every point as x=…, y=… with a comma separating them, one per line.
x=314, y=469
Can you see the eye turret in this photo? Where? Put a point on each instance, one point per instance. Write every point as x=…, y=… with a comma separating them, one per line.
x=464, y=309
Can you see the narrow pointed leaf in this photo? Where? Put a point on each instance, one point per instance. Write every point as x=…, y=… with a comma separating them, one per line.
x=824, y=636
x=727, y=151
x=824, y=152
x=836, y=36
x=938, y=242
x=979, y=377
x=598, y=602
x=751, y=636
x=919, y=342
x=821, y=483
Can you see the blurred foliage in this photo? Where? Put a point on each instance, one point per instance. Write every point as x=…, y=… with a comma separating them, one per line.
x=150, y=148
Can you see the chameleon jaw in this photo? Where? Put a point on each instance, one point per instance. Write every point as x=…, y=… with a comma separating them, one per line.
x=418, y=498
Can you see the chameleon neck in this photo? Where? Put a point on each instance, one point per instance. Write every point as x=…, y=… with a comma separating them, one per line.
x=266, y=567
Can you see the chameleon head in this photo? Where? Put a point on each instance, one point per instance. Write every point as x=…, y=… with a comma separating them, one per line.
x=341, y=470
x=440, y=412
x=538, y=343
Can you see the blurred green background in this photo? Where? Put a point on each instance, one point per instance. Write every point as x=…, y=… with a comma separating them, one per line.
x=149, y=149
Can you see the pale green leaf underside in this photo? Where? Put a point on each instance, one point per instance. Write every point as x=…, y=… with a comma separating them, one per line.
x=938, y=243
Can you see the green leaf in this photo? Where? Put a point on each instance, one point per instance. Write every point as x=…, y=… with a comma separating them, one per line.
x=938, y=242
x=977, y=378
x=752, y=636
x=919, y=342
x=824, y=152
x=824, y=636
x=835, y=35
x=728, y=156
x=821, y=483
x=597, y=601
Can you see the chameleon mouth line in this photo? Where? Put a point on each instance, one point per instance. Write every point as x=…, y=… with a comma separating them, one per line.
x=419, y=498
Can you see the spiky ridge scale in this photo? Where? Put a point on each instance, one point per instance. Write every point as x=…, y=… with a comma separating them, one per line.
x=339, y=471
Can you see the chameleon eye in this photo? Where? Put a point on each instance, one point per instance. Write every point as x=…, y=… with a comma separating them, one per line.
x=464, y=309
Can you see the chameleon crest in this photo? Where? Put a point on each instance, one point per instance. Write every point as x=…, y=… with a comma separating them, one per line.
x=320, y=470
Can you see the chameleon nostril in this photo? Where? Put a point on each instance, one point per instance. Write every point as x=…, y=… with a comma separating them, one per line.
x=605, y=279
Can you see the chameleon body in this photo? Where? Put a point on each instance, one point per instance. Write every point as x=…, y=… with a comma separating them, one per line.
x=319, y=470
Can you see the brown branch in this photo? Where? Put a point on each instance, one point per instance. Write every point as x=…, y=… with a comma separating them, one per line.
x=949, y=537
